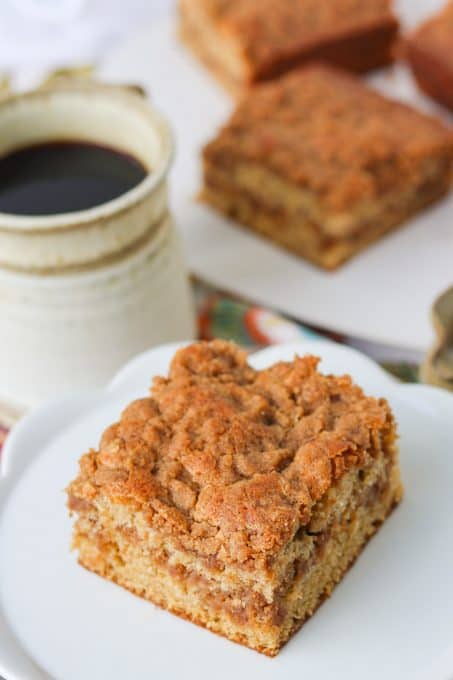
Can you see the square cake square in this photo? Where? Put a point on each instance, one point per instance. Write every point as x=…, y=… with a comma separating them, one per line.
x=247, y=41
x=322, y=165
x=237, y=498
x=430, y=54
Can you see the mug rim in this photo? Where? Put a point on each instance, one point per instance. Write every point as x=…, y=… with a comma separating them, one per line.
x=10, y=222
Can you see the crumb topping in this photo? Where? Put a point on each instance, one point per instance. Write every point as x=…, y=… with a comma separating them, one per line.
x=326, y=132
x=268, y=30
x=436, y=35
x=229, y=459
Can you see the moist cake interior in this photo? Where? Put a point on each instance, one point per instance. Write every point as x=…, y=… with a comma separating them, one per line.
x=245, y=41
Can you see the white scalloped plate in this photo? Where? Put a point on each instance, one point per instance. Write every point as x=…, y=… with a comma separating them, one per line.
x=392, y=616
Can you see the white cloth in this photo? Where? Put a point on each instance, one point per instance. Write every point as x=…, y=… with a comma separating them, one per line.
x=40, y=35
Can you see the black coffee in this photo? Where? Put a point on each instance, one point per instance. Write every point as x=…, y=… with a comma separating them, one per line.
x=60, y=177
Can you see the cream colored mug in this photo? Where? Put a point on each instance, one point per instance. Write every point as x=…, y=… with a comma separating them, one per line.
x=82, y=292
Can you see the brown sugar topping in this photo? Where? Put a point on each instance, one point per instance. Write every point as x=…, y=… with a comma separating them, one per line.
x=326, y=132
x=231, y=459
x=268, y=30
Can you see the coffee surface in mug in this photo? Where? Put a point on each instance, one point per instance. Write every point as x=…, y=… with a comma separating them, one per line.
x=60, y=177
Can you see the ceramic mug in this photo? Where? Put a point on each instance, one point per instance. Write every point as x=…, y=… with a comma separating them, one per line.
x=82, y=292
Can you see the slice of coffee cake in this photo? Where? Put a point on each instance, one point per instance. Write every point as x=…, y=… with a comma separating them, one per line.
x=322, y=165
x=249, y=41
x=237, y=498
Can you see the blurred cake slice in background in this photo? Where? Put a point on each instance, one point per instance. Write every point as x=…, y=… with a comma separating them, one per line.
x=247, y=41
x=323, y=166
x=430, y=54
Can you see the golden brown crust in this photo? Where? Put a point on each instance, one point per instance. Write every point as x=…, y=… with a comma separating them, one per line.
x=232, y=460
x=271, y=34
x=430, y=53
x=324, y=131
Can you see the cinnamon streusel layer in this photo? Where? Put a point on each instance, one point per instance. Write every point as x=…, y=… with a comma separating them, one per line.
x=237, y=498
